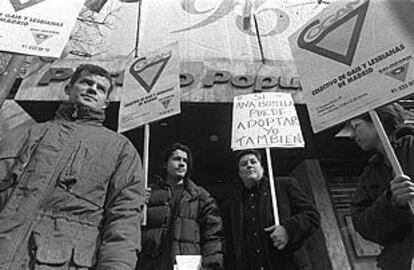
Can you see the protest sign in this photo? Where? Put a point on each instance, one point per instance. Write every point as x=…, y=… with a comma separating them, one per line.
x=265, y=120
x=37, y=27
x=151, y=88
x=353, y=57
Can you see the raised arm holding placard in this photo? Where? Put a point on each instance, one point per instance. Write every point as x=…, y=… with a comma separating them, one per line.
x=363, y=52
x=380, y=209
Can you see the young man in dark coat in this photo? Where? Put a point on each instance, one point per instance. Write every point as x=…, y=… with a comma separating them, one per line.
x=183, y=218
x=253, y=241
x=71, y=191
x=380, y=210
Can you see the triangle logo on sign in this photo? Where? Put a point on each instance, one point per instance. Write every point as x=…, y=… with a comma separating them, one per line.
x=22, y=4
x=166, y=101
x=399, y=73
x=337, y=41
x=148, y=74
x=40, y=37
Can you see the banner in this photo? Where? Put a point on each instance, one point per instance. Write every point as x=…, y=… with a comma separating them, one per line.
x=37, y=27
x=151, y=88
x=353, y=57
x=222, y=29
x=265, y=120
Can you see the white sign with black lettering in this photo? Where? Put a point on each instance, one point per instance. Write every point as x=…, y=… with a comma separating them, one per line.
x=151, y=88
x=265, y=120
x=37, y=27
x=353, y=57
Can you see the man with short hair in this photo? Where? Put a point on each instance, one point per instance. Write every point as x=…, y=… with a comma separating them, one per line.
x=183, y=218
x=253, y=241
x=71, y=191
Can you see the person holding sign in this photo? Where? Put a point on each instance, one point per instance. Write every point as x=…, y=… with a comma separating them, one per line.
x=183, y=218
x=71, y=191
x=253, y=241
x=380, y=210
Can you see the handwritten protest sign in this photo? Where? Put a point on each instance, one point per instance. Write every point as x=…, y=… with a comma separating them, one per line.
x=151, y=88
x=353, y=57
x=265, y=120
x=37, y=27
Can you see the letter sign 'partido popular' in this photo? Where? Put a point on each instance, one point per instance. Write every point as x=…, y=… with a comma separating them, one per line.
x=265, y=120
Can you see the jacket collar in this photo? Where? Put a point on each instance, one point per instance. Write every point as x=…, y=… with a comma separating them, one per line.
x=261, y=185
x=377, y=158
x=189, y=186
x=76, y=112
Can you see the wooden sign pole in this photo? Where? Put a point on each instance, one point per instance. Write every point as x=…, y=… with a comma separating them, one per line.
x=272, y=186
x=388, y=149
x=146, y=126
x=146, y=166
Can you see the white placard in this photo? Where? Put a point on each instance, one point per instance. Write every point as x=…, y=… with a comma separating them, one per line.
x=265, y=120
x=37, y=27
x=151, y=88
x=188, y=262
x=353, y=57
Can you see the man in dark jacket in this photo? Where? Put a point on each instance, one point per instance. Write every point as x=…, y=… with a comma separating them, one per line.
x=380, y=210
x=71, y=191
x=253, y=241
x=183, y=218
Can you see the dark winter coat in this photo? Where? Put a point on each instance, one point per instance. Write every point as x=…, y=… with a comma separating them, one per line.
x=296, y=213
x=71, y=194
x=373, y=215
x=194, y=227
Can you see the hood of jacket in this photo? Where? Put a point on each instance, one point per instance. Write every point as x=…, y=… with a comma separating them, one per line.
x=189, y=186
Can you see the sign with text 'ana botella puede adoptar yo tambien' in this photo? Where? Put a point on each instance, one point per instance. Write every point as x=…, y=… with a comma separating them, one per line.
x=265, y=120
